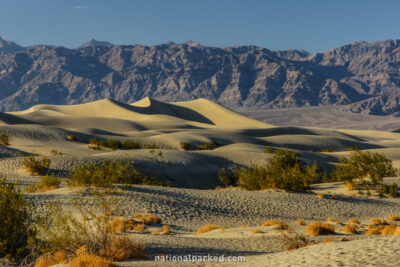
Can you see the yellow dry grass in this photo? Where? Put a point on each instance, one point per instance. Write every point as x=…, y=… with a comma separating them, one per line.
x=301, y=222
x=208, y=227
x=90, y=260
x=319, y=228
x=377, y=221
x=389, y=229
x=117, y=225
x=320, y=195
x=352, y=194
x=122, y=248
x=166, y=229
x=353, y=221
x=328, y=239
x=393, y=218
x=279, y=225
x=147, y=219
x=139, y=228
x=349, y=229
x=332, y=220
x=350, y=186
x=48, y=260
x=243, y=226
x=256, y=231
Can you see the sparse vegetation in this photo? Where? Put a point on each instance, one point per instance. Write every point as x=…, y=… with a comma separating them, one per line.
x=320, y=195
x=90, y=260
x=228, y=178
x=349, y=229
x=285, y=171
x=362, y=164
x=279, y=225
x=377, y=221
x=208, y=227
x=394, y=218
x=319, y=228
x=15, y=218
x=72, y=138
x=4, y=139
x=109, y=172
x=294, y=241
x=184, y=146
x=130, y=144
x=268, y=150
x=353, y=221
x=256, y=231
x=48, y=182
x=147, y=219
x=36, y=166
x=166, y=229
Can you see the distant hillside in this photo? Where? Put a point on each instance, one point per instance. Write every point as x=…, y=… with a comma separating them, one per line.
x=365, y=75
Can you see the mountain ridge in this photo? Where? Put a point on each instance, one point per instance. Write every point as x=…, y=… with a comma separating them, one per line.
x=363, y=75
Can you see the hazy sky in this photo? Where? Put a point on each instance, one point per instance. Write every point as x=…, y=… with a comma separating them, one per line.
x=313, y=25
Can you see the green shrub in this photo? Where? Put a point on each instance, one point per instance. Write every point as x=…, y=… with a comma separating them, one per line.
x=228, y=178
x=49, y=182
x=15, y=219
x=285, y=171
x=363, y=164
x=151, y=146
x=184, y=145
x=206, y=146
x=4, y=139
x=36, y=166
x=109, y=172
x=130, y=144
x=113, y=144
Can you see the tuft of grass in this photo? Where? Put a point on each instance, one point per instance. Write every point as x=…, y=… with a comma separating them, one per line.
x=332, y=220
x=349, y=229
x=90, y=260
x=328, y=239
x=350, y=186
x=49, y=182
x=377, y=221
x=184, y=146
x=353, y=221
x=256, y=231
x=139, y=227
x=320, y=195
x=301, y=222
x=147, y=219
x=207, y=228
x=393, y=218
x=117, y=225
x=47, y=260
x=122, y=248
x=279, y=225
x=389, y=229
x=72, y=138
x=166, y=229
x=296, y=241
x=374, y=230
x=319, y=228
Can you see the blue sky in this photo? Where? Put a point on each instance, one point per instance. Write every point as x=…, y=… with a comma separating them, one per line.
x=313, y=25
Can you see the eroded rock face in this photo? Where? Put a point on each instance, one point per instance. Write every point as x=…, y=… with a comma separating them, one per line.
x=366, y=75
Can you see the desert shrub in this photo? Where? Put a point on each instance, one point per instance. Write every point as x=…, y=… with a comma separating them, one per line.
x=285, y=171
x=15, y=220
x=36, y=166
x=389, y=229
x=4, y=139
x=326, y=150
x=184, y=145
x=206, y=146
x=228, y=178
x=113, y=144
x=109, y=172
x=208, y=227
x=131, y=144
x=349, y=229
x=151, y=146
x=318, y=228
x=47, y=260
x=49, y=182
x=390, y=190
x=148, y=219
x=362, y=164
x=84, y=230
x=332, y=220
x=72, y=137
x=294, y=241
x=394, y=218
x=320, y=195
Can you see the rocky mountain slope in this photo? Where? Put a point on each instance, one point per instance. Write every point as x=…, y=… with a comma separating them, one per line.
x=364, y=75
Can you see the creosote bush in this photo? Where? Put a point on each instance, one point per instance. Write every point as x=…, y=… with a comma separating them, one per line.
x=285, y=171
x=15, y=221
x=109, y=172
x=36, y=166
x=4, y=139
x=362, y=164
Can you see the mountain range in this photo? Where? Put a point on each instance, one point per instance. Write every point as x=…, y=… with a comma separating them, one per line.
x=363, y=76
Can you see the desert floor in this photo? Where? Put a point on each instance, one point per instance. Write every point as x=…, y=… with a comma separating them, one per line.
x=192, y=200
